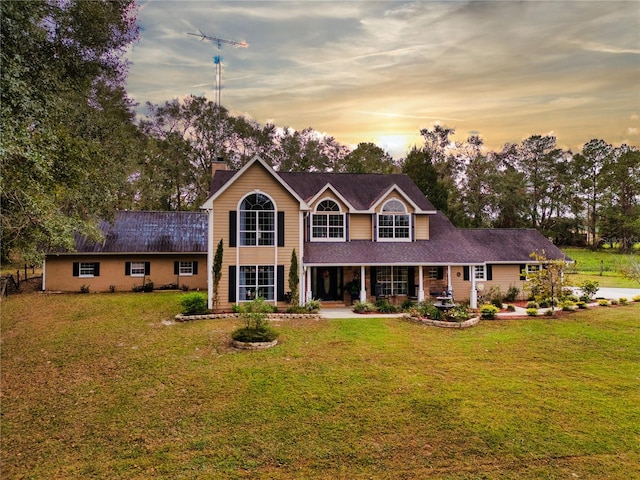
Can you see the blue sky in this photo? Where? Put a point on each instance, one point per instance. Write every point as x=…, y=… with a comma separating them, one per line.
x=379, y=71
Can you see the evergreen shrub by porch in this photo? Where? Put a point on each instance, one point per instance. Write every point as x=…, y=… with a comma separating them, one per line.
x=194, y=303
x=427, y=309
x=512, y=294
x=383, y=306
x=532, y=312
x=364, y=307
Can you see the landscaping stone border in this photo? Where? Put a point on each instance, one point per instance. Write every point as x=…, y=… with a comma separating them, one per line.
x=439, y=323
x=271, y=316
x=254, y=345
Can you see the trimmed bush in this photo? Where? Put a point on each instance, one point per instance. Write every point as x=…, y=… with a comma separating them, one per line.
x=312, y=306
x=581, y=305
x=533, y=305
x=636, y=298
x=603, y=302
x=532, y=312
x=488, y=311
x=623, y=301
x=511, y=308
x=568, y=306
x=194, y=303
x=383, y=306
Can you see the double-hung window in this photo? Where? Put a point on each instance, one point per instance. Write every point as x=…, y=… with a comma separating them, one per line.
x=257, y=281
x=327, y=223
x=392, y=280
x=394, y=223
x=257, y=220
x=87, y=269
x=137, y=269
x=479, y=272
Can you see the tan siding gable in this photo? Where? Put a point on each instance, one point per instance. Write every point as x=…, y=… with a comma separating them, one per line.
x=360, y=227
x=396, y=196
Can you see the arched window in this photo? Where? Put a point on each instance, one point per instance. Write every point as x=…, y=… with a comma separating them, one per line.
x=257, y=220
x=394, y=222
x=327, y=223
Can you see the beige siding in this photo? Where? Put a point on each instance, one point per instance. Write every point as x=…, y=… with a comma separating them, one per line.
x=328, y=194
x=421, y=227
x=360, y=227
x=256, y=178
x=395, y=195
x=59, y=272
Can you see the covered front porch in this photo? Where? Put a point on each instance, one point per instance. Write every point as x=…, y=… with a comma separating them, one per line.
x=346, y=284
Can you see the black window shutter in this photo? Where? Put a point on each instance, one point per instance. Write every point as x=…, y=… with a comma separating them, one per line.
x=232, y=284
x=440, y=273
x=233, y=220
x=374, y=280
x=375, y=227
x=96, y=269
x=466, y=273
x=346, y=227
x=195, y=268
x=76, y=269
x=413, y=227
x=281, y=229
x=176, y=268
x=147, y=268
x=307, y=220
x=280, y=286
x=523, y=273
x=411, y=281
x=489, y=272
x=127, y=268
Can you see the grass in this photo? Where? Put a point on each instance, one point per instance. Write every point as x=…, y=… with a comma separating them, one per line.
x=600, y=266
x=105, y=386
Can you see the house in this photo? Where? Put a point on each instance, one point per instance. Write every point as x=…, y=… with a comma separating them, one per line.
x=166, y=248
x=377, y=231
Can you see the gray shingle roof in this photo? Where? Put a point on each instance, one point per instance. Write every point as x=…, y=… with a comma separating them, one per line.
x=447, y=245
x=150, y=232
x=361, y=190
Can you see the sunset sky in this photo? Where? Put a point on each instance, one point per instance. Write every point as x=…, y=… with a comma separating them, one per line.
x=379, y=71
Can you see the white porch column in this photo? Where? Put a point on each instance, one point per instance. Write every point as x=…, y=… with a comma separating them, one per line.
x=420, y=284
x=473, y=297
x=363, y=283
x=449, y=284
x=309, y=294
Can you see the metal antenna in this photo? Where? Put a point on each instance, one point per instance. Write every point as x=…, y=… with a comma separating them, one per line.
x=217, y=60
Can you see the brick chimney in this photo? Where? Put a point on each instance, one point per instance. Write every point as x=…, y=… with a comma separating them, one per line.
x=218, y=164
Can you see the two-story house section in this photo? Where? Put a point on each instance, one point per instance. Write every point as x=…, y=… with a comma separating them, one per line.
x=378, y=232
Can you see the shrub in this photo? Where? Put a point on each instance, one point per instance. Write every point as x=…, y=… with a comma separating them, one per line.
x=427, y=309
x=614, y=302
x=533, y=305
x=636, y=298
x=589, y=288
x=313, y=306
x=84, y=289
x=262, y=334
x=194, y=304
x=488, y=311
x=363, y=307
x=512, y=294
x=603, y=302
x=549, y=313
x=511, y=308
x=256, y=325
x=458, y=313
x=568, y=306
x=623, y=301
x=581, y=305
x=407, y=304
x=532, y=312
x=383, y=306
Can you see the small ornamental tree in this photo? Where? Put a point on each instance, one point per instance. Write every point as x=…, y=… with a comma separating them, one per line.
x=294, y=278
x=546, y=283
x=217, y=274
x=256, y=324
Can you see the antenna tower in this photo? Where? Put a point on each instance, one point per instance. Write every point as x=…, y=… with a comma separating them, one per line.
x=217, y=60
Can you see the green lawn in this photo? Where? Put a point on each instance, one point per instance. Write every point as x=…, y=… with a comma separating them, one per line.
x=600, y=266
x=105, y=386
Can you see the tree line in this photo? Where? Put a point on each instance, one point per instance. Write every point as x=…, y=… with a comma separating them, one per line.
x=73, y=152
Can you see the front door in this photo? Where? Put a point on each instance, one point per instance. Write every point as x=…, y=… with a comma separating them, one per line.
x=328, y=283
